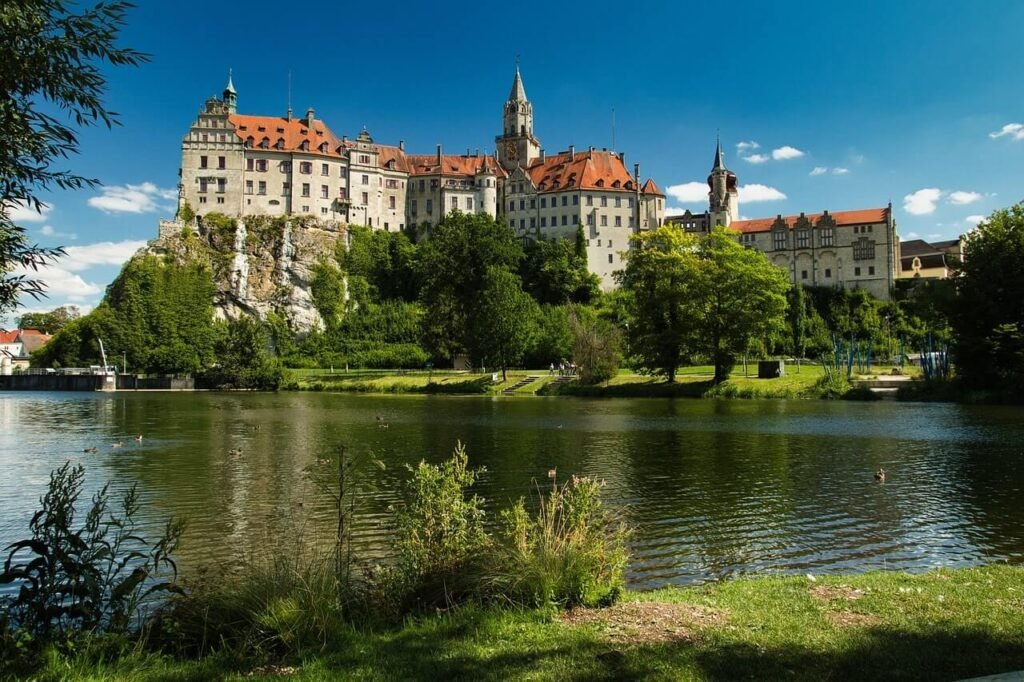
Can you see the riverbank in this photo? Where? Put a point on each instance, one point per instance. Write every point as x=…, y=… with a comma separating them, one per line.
x=941, y=625
x=691, y=382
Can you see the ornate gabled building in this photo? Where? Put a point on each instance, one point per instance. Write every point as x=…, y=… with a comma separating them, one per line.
x=848, y=249
x=242, y=165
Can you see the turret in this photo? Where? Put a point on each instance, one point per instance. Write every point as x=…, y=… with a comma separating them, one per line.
x=723, y=197
x=516, y=145
x=229, y=96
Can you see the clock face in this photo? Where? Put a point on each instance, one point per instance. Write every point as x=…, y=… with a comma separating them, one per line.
x=510, y=150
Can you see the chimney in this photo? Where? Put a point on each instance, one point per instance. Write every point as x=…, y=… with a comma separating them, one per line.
x=309, y=117
x=344, y=139
x=591, y=150
x=401, y=145
x=467, y=151
x=477, y=152
x=572, y=152
x=636, y=174
x=438, y=155
x=622, y=158
x=542, y=155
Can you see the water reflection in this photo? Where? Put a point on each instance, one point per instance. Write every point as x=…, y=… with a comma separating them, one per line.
x=712, y=488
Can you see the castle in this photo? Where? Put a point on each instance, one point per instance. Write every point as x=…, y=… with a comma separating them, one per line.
x=242, y=165
x=846, y=249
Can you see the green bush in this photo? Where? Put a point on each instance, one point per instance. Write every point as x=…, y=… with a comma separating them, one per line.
x=572, y=551
x=440, y=537
x=89, y=576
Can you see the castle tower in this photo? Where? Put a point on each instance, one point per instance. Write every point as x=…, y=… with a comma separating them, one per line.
x=516, y=145
x=723, y=199
x=230, y=97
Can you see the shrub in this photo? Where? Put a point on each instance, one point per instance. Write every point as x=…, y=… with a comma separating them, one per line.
x=832, y=385
x=571, y=552
x=92, y=576
x=440, y=536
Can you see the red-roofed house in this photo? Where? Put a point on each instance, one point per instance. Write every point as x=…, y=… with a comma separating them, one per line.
x=850, y=249
x=17, y=345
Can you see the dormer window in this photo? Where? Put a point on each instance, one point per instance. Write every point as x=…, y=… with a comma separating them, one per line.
x=280, y=130
x=248, y=142
x=264, y=143
x=304, y=146
x=616, y=184
x=542, y=186
x=323, y=148
x=600, y=182
x=280, y=143
x=261, y=129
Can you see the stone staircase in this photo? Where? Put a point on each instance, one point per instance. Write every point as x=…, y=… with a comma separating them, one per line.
x=562, y=380
x=519, y=384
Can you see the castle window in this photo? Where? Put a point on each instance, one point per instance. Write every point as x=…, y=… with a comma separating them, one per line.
x=206, y=137
x=618, y=202
x=305, y=167
x=248, y=142
x=366, y=179
x=221, y=162
x=202, y=185
x=511, y=206
x=611, y=257
x=323, y=147
x=263, y=187
x=780, y=240
x=590, y=200
x=825, y=236
x=222, y=184
x=202, y=162
x=604, y=202
x=305, y=189
x=533, y=223
x=280, y=143
x=325, y=192
x=600, y=182
x=803, y=274
x=391, y=202
x=533, y=203
x=565, y=220
x=604, y=222
x=856, y=272
x=325, y=169
x=455, y=203
x=469, y=203
x=543, y=202
x=248, y=186
x=342, y=193
x=250, y=164
x=304, y=146
x=803, y=239
x=863, y=249
x=590, y=219
x=565, y=200
x=631, y=202
x=366, y=198
x=364, y=159
x=265, y=143
x=618, y=221
x=343, y=173
x=430, y=206
x=616, y=184
x=871, y=269
x=575, y=199
x=828, y=273
x=413, y=207
x=575, y=219
x=543, y=221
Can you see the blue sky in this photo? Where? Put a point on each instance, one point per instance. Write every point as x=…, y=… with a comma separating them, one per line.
x=852, y=106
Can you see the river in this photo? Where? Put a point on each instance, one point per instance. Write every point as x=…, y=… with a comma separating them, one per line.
x=712, y=489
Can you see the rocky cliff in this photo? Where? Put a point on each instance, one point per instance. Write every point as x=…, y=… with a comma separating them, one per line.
x=260, y=264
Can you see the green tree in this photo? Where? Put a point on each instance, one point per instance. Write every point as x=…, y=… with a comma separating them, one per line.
x=554, y=272
x=327, y=289
x=596, y=344
x=504, y=321
x=50, y=61
x=380, y=265
x=987, y=317
x=243, y=358
x=699, y=297
x=50, y=322
x=659, y=278
x=797, y=319
x=453, y=266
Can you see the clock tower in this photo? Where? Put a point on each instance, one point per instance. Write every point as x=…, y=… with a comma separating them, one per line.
x=516, y=145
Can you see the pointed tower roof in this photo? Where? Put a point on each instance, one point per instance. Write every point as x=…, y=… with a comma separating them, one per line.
x=719, y=163
x=518, y=93
x=231, y=86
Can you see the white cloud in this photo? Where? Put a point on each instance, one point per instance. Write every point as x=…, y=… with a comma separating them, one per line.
x=142, y=198
x=786, y=152
x=755, y=192
x=676, y=210
x=1014, y=130
x=689, y=192
x=744, y=146
x=913, y=235
x=49, y=231
x=819, y=170
x=922, y=202
x=63, y=280
x=840, y=171
x=974, y=219
x=961, y=198
x=756, y=158
x=20, y=213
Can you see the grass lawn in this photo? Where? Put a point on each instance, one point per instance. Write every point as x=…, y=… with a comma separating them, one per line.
x=943, y=625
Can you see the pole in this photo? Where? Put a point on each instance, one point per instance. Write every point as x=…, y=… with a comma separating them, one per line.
x=124, y=362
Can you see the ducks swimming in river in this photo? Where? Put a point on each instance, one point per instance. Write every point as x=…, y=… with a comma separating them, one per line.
x=880, y=476
x=138, y=438
x=118, y=444
x=91, y=450
x=235, y=452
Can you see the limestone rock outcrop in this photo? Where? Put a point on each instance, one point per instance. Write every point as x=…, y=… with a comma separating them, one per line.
x=260, y=264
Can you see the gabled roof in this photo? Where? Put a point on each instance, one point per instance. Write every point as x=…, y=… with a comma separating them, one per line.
x=294, y=132
x=8, y=336
x=596, y=169
x=650, y=188
x=386, y=154
x=453, y=164
x=865, y=216
x=32, y=340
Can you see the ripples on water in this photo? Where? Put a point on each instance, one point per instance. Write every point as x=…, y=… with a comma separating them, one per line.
x=712, y=489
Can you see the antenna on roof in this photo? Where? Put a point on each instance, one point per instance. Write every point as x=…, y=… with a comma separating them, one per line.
x=289, y=94
x=613, y=128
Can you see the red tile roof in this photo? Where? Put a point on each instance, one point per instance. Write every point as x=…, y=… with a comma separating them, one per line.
x=864, y=216
x=452, y=164
x=597, y=169
x=8, y=336
x=651, y=188
x=294, y=132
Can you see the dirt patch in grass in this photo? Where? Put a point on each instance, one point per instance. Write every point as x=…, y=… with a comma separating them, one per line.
x=643, y=622
x=849, y=619
x=835, y=592
x=280, y=670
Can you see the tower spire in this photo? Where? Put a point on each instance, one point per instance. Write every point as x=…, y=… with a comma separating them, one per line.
x=518, y=93
x=719, y=162
x=229, y=96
